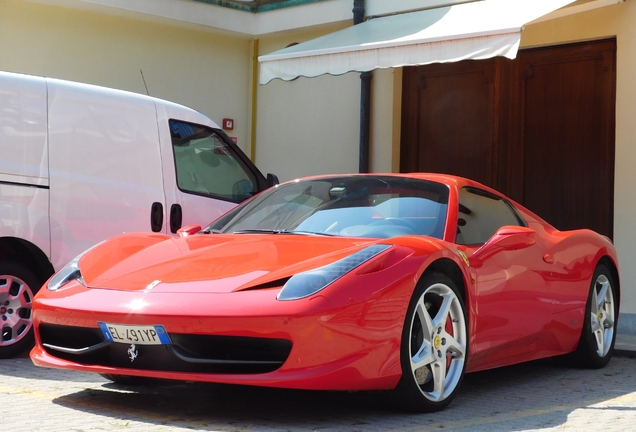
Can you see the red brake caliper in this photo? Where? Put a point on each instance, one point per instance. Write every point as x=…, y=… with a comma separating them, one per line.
x=449, y=330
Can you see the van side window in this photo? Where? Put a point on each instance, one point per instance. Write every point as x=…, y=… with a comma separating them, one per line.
x=207, y=165
x=481, y=214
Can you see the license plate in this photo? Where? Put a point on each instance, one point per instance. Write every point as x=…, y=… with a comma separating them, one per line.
x=135, y=334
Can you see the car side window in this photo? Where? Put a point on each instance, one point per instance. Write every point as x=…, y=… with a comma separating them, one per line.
x=207, y=165
x=481, y=214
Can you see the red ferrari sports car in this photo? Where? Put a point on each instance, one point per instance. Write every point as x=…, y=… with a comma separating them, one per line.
x=392, y=282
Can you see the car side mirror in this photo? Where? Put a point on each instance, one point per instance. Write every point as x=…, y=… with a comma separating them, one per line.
x=507, y=238
x=188, y=230
x=272, y=180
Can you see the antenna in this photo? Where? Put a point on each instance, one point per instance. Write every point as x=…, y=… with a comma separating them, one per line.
x=144, y=79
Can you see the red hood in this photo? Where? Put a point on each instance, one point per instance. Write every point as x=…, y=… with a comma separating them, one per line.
x=208, y=263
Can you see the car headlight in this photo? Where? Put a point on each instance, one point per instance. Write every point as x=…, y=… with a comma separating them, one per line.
x=68, y=273
x=310, y=282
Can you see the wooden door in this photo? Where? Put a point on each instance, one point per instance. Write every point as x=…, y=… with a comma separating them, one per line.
x=449, y=114
x=567, y=95
x=539, y=128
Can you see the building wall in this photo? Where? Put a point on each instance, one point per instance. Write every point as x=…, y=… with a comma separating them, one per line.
x=312, y=126
x=610, y=21
x=200, y=69
x=307, y=126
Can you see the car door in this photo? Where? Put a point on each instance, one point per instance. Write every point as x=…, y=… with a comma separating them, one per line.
x=205, y=174
x=511, y=302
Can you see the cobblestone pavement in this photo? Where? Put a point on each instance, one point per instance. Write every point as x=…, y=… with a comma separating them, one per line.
x=537, y=396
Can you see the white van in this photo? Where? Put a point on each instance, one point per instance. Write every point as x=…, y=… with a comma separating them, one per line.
x=81, y=163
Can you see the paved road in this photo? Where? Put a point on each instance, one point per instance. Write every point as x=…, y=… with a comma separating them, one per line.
x=535, y=396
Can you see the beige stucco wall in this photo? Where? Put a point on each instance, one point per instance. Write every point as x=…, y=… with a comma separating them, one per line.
x=611, y=21
x=307, y=126
x=199, y=69
x=312, y=126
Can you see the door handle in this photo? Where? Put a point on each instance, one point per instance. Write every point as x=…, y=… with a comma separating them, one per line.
x=156, y=217
x=176, y=218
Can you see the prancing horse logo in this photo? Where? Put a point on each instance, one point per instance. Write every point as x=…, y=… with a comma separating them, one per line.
x=132, y=353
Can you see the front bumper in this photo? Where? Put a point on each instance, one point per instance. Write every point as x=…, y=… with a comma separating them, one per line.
x=344, y=343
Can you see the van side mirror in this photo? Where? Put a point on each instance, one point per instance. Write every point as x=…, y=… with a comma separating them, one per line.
x=272, y=180
x=507, y=238
x=188, y=230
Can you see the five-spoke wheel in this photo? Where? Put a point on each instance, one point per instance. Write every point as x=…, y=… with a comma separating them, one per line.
x=602, y=315
x=434, y=346
x=599, y=328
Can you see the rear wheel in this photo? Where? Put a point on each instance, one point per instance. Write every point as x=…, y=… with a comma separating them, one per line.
x=18, y=286
x=599, y=328
x=434, y=347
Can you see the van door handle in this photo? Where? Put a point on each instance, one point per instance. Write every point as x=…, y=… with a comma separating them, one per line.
x=176, y=218
x=156, y=217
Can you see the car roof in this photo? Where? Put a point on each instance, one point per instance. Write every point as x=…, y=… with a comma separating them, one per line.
x=447, y=179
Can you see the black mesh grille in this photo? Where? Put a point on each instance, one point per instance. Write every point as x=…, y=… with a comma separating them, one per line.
x=188, y=353
x=70, y=337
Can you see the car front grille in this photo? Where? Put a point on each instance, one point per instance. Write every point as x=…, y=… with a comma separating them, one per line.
x=186, y=353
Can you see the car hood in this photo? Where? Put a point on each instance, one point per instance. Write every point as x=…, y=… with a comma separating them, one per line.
x=213, y=263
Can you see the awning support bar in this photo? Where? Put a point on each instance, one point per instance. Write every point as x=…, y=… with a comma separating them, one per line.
x=365, y=100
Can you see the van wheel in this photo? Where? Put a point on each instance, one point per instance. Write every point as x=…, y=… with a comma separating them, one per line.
x=18, y=285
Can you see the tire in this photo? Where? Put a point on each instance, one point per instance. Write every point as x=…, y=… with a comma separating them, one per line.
x=598, y=336
x=18, y=286
x=434, y=347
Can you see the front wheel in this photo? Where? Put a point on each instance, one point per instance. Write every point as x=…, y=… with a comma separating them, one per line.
x=434, y=347
x=599, y=328
x=18, y=285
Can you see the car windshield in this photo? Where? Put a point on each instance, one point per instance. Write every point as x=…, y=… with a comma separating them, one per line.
x=355, y=206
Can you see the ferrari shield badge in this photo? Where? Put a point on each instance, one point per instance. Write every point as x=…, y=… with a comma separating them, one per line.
x=132, y=353
x=464, y=257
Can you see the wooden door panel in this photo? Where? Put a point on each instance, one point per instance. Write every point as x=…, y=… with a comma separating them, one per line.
x=455, y=109
x=567, y=151
x=539, y=128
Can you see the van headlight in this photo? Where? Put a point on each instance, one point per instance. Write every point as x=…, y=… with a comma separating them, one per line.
x=310, y=282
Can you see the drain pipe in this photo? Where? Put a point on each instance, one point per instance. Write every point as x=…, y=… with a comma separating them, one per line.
x=365, y=100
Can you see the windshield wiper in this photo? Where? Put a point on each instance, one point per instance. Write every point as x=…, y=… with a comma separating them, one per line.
x=211, y=231
x=309, y=233
x=270, y=231
x=256, y=231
